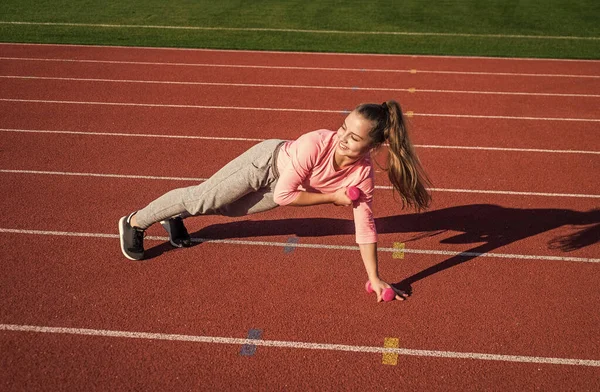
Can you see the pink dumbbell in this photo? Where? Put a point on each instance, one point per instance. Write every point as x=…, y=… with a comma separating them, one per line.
x=353, y=193
x=387, y=294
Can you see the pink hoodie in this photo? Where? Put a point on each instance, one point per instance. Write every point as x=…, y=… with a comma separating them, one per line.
x=306, y=164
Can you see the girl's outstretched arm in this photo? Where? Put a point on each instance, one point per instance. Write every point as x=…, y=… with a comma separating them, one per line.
x=369, y=256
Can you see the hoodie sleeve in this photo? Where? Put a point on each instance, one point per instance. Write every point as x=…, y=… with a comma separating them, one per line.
x=364, y=223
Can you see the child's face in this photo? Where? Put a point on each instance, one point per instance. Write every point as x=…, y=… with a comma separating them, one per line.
x=353, y=136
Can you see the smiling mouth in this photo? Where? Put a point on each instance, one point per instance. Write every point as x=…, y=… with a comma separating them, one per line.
x=342, y=147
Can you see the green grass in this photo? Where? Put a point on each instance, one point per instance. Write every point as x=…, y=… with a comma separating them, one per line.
x=563, y=18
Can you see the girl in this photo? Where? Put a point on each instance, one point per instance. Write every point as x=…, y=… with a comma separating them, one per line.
x=317, y=168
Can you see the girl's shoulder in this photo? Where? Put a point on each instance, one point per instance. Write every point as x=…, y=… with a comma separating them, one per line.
x=310, y=147
x=320, y=135
x=317, y=141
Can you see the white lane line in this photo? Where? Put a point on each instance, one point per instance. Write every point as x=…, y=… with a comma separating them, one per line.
x=334, y=69
x=153, y=105
x=293, y=86
x=133, y=176
x=529, y=118
x=298, y=345
x=209, y=107
x=515, y=193
x=118, y=134
x=312, y=246
x=507, y=74
x=306, y=31
x=509, y=149
x=103, y=175
x=317, y=54
x=500, y=93
x=121, y=134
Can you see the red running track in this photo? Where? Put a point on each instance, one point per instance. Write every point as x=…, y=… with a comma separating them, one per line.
x=529, y=296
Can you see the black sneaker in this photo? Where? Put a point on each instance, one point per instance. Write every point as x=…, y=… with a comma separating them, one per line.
x=132, y=239
x=178, y=235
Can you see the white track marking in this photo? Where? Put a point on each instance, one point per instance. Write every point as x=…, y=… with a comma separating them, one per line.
x=264, y=109
x=103, y=175
x=117, y=134
x=508, y=149
x=416, y=90
x=332, y=54
x=305, y=31
x=132, y=176
x=298, y=345
x=293, y=86
x=507, y=74
x=505, y=117
x=153, y=105
x=507, y=192
x=334, y=69
x=120, y=134
x=337, y=69
x=312, y=246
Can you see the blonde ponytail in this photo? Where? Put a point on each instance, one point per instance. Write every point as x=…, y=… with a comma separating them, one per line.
x=404, y=169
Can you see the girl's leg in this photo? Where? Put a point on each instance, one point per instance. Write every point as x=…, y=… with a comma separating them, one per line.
x=252, y=203
x=244, y=186
x=230, y=191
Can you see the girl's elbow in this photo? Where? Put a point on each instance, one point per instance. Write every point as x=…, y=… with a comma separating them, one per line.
x=281, y=199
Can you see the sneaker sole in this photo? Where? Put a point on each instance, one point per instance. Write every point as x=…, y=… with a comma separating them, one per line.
x=121, y=225
x=167, y=227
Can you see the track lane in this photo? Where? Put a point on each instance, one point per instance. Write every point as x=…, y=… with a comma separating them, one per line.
x=211, y=290
x=334, y=79
x=285, y=125
x=471, y=64
x=448, y=169
x=74, y=361
x=82, y=91
x=488, y=223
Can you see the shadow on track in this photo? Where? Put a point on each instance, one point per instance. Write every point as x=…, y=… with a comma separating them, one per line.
x=488, y=226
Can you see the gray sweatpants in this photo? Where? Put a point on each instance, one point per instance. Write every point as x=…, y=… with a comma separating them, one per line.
x=244, y=186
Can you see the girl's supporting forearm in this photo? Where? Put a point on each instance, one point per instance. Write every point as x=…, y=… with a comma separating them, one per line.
x=369, y=256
